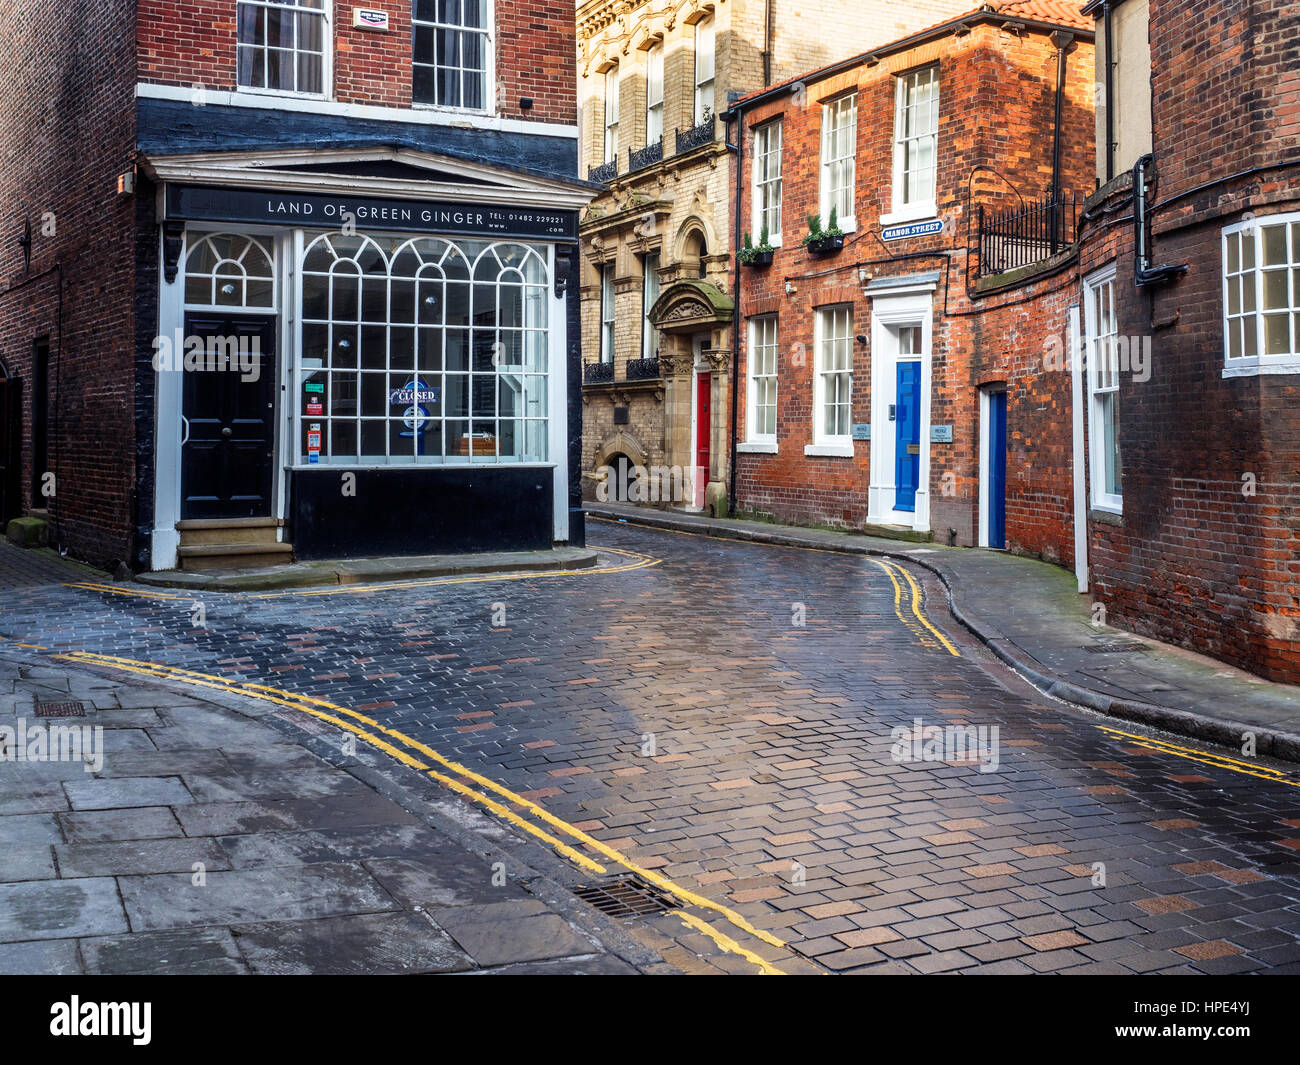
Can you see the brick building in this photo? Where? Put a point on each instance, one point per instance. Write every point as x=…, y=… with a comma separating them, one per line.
x=289, y=278
x=1190, y=253
x=893, y=368
x=658, y=284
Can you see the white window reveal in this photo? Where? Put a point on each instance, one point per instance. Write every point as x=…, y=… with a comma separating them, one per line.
x=704, y=62
x=422, y=351
x=229, y=270
x=761, y=417
x=833, y=387
x=654, y=94
x=1261, y=297
x=451, y=53
x=282, y=46
x=1103, y=367
x=611, y=115
x=916, y=143
x=767, y=183
x=649, y=294
x=607, y=313
x=839, y=147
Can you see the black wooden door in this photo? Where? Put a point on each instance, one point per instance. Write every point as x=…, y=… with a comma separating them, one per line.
x=227, y=461
x=11, y=418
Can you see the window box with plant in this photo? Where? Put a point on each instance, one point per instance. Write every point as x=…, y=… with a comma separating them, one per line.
x=757, y=256
x=823, y=240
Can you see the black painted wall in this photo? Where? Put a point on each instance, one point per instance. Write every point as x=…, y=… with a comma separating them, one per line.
x=420, y=512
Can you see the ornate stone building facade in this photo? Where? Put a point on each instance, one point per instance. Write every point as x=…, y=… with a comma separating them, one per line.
x=657, y=247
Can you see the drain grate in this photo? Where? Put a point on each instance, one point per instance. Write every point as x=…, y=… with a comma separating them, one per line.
x=70, y=709
x=626, y=896
x=1115, y=649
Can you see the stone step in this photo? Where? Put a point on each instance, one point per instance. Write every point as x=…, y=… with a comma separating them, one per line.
x=229, y=531
x=205, y=557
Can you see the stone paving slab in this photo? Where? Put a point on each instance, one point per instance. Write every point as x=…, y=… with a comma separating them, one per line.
x=229, y=849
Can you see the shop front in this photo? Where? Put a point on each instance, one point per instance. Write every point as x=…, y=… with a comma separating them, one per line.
x=361, y=353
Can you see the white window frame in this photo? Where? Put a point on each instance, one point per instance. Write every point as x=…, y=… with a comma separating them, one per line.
x=767, y=157
x=326, y=12
x=838, y=113
x=607, y=313
x=906, y=207
x=611, y=114
x=705, y=67
x=1246, y=325
x=1103, y=372
x=762, y=371
x=488, y=33
x=649, y=294
x=825, y=334
x=654, y=93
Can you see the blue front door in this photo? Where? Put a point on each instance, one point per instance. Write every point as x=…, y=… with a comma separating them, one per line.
x=998, y=469
x=907, y=449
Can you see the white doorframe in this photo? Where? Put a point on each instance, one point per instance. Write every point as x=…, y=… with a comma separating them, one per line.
x=699, y=480
x=984, y=467
x=887, y=314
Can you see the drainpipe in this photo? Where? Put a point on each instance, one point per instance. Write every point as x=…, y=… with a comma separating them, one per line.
x=767, y=43
x=1062, y=40
x=739, y=149
x=1077, y=455
x=1110, y=92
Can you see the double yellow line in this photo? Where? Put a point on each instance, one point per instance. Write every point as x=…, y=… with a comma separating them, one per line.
x=464, y=782
x=918, y=623
x=1218, y=761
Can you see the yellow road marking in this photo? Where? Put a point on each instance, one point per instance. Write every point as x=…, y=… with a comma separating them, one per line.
x=297, y=702
x=1204, y=757
x=765, y=967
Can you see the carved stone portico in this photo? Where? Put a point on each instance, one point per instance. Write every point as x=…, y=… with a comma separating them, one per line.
x=693, y=320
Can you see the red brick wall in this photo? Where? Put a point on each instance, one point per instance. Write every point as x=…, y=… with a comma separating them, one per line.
x=1194, y=560
x=188, y=42
x=67, y=77
x=996, y=110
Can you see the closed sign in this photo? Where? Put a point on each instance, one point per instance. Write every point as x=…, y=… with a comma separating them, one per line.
x=367, y=18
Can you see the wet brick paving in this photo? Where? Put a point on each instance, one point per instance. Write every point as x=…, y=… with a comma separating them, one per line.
x=681, y=714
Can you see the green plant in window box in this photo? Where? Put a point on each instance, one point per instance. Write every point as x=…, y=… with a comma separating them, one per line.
x=759, y=256
x=822, y=240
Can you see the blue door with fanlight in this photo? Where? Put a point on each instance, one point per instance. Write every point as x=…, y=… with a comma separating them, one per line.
x=997, y=469
x=907, y=449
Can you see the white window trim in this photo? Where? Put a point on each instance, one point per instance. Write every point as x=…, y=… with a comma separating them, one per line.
x=327, y=63
x=921, y=209
x=610, y=143
x=1256, y=365
x=650, y=265
x=653, y=105
x=847, y=224
x=607, y=281
x=765, y=440
x=489, y=71
x=705, y=23
x=756, y=219
x=824, y=445
x=1108, y=502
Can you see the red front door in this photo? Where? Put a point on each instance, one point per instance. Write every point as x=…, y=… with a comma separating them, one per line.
x=703, y=432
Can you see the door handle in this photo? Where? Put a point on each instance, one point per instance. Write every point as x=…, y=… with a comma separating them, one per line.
x=227, y=432
x=185, y=430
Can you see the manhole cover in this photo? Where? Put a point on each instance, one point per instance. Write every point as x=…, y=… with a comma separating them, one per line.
x=71, y=709
x=626, y=896
x=1115, y=649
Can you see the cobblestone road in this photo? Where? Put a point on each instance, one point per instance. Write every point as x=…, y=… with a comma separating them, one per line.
x=727, y=719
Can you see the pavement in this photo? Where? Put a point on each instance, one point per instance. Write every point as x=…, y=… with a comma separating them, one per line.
x=1030, y=614
x=211, y=842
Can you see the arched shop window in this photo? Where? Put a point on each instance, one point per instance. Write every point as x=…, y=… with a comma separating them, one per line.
x=229, y=270
x=422, y=351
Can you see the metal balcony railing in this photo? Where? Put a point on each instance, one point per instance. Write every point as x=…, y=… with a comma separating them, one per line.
x=605, y=173
x=597, y=372
x=640, y=158
x=696, y=136
x=642, y=369
x=1022, y=236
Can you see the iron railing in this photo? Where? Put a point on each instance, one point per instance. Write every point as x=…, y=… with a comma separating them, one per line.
x=1027, y=234
x=696, y=136
x=640, y=158
x=642, y=369
x=598, y=372
x=605, y=173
